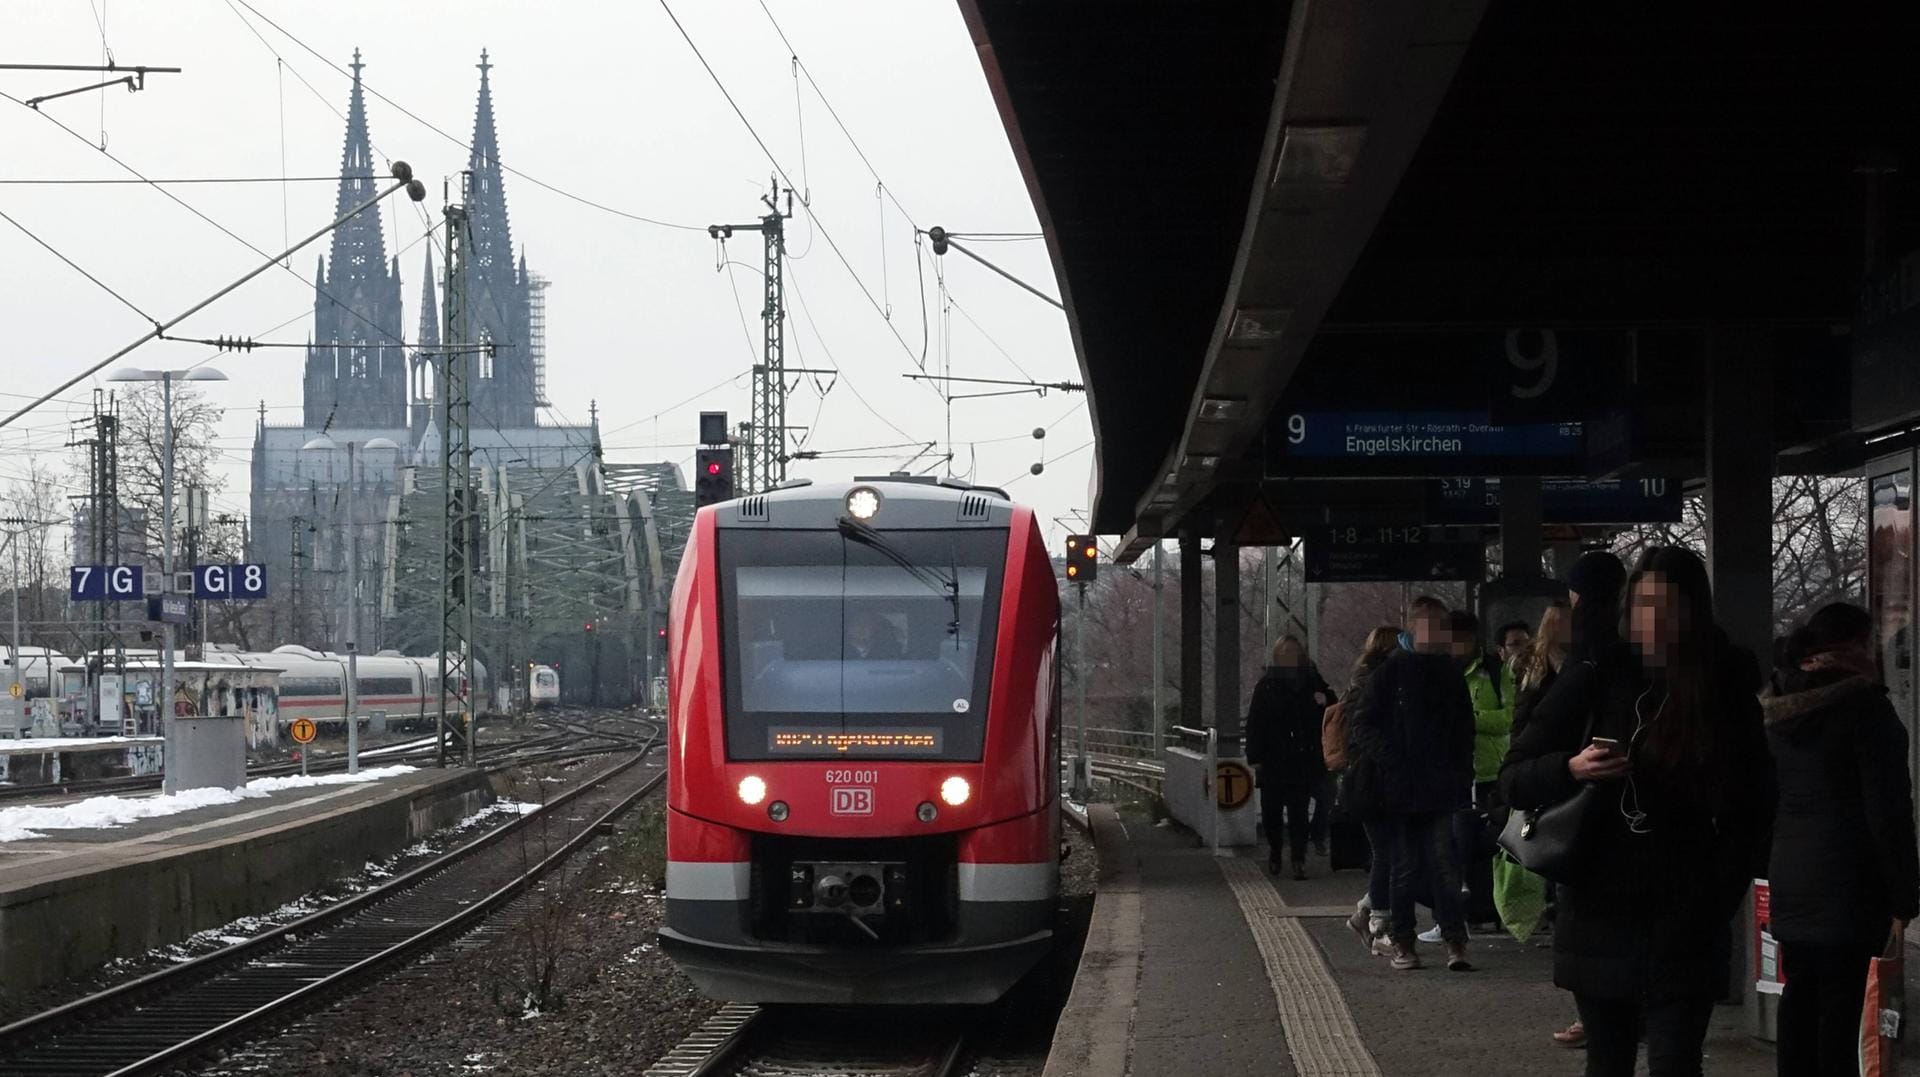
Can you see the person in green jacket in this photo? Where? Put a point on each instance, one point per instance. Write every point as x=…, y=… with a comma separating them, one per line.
x=1490, y=685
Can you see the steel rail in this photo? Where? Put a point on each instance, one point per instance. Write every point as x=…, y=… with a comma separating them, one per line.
x=39, y=1029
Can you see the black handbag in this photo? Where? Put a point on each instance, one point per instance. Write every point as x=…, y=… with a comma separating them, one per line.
x=1546, y=840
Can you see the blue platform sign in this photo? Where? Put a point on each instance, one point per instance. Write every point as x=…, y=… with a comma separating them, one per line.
x=1398, y=554
x=1562, y=501
x=106, y=583
x=230, y=582
x=1426, y=435
x=169, y=608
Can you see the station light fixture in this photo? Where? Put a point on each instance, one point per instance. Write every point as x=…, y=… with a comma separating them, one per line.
x=753, y=790
x=863, y=503
x=955, y=791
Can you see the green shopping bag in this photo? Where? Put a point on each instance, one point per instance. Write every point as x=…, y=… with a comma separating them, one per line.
x=1519, y=896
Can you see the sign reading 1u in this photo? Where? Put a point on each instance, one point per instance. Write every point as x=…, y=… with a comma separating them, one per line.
x=229, y=581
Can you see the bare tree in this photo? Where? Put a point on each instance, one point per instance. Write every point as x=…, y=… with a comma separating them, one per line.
x=35, y=497
x=142, y=448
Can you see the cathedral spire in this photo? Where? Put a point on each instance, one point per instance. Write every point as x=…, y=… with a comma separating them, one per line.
x=359, y=248
x=429, y=337
x=487, y=199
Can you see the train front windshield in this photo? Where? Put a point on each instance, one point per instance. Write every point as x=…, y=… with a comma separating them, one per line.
x=836, y=648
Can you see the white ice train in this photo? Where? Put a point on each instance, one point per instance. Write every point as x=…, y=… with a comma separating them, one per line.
x=543, y=687
x=313, y=683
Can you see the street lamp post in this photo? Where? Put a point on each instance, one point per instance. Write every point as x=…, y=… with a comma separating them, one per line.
x=170, y=771
x=351, y=642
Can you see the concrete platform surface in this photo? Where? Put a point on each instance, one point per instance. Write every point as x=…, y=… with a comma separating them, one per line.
x=75, y=899
x=1239, y=972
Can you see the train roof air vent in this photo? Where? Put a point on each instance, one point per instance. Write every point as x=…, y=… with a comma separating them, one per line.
x=974, y=507
x=753, y=508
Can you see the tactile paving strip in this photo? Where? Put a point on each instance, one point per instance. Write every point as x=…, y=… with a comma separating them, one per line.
x=1321, y=1034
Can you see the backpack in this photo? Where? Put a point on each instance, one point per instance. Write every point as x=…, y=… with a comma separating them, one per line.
x=1333, y=735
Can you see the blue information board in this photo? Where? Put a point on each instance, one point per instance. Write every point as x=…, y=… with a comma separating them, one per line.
x=1562, y=501
x=170, y=608
x=230, y=582
x=1425, y=435
x=1383, y=554
x=106, y=583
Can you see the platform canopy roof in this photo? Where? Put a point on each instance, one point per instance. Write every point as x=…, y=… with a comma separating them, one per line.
x=1270, y=221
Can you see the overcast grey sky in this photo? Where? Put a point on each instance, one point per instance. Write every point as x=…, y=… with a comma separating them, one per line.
x=605, y=100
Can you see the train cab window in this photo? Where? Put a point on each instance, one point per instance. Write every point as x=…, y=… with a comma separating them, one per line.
x=834, y=648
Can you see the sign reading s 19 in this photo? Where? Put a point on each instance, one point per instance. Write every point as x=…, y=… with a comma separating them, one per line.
x=106, y=583
x=229, y=581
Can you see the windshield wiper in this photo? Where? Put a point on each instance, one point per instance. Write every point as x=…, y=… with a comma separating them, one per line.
x=942, y=584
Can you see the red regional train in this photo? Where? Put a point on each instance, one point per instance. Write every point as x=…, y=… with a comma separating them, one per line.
x=863, y=769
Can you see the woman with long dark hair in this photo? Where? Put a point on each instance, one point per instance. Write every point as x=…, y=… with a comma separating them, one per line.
x=1359, y=799
x=1844, y=871
x=1669, y=729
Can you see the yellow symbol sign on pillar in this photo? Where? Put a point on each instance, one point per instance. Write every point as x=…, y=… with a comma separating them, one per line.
x=1232, y=785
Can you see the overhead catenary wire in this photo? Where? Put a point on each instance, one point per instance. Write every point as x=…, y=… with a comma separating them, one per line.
x=160, y=328
x=76, y=267
x=462, y=143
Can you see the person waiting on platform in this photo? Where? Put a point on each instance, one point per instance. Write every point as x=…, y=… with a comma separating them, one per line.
x=1668, y=734
x=1490, y=686
x=1511, y=640
x=1283, y=744
x=1359, y=801
x=1845, y=872
x=1417, y=730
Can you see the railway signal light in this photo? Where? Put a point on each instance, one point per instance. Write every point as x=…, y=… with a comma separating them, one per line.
x=1083, y=558
x=713, y=476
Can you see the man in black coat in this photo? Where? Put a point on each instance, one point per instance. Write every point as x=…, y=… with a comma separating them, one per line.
x=1283, y=744
x=1416, y=731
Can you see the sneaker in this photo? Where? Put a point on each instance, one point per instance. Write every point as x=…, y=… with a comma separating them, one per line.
x=1382, y=946
x=1358, y=924
x=1457, y=958
x=1404, y=957
x=1431, y=935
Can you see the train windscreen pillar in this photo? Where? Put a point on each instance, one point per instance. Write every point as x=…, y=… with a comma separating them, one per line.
x=1740, y=546
x=1226, y=647
x=1191, y=693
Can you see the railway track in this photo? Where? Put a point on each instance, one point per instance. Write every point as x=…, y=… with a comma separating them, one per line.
x=490, y=756
x=749, y=1041
x=169, y=1017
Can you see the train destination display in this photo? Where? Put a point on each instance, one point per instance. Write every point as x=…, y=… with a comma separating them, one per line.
x=1436, y=443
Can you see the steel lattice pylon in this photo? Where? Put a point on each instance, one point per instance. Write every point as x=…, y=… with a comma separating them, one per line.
x=763, y=443
x=457, y=537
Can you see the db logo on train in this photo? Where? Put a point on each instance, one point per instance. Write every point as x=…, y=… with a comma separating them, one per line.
x=303, y=730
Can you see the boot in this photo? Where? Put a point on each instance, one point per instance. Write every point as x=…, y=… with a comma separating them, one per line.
x=1457, y=958
x=1405, y=958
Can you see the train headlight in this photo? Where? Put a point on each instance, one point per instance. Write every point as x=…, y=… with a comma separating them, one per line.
x=863, y=503
x=777, y=811
x=955, y=790
x=752, y=789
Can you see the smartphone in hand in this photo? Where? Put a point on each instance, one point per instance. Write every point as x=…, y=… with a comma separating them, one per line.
x=1607, y=744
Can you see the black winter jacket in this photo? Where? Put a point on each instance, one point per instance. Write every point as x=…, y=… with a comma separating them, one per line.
x=1844, y=862
x=1647, y=914
x=1414, y=737
x=1283, y=725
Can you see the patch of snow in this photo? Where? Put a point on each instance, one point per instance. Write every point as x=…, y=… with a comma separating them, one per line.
x=46, y=744
x=106, y=812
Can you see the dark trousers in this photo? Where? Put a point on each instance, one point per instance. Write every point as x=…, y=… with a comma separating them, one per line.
x=1820, y=1011
x=1423, y=856
x=1283, y=809
x=1382, y=836
x=1673, y=1028
x=1322, y=809
x=1473, y=840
